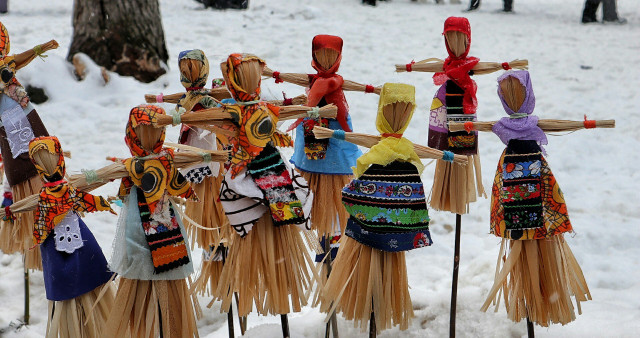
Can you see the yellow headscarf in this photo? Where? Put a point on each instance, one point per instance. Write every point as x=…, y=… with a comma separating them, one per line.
x=391, y=148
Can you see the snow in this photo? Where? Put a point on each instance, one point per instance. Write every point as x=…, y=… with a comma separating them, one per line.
x=595, y=168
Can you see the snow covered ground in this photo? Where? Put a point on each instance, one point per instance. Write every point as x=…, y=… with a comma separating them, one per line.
x=576, y=69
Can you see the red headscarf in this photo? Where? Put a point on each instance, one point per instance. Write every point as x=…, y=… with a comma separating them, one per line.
x=456, y=68
x=326, y=83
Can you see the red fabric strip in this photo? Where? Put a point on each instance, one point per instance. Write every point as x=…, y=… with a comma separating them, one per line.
x=589, y=124
x=392, y=135
x=505, y=66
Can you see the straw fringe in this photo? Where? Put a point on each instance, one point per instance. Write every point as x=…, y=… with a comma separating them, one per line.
x=208, y=213
x=23, y=225
x=537, y=279
x=141, y=305
x=365, y=280
x=75, y=317
x=270, y=267
x=328, y=214
x=454, y=186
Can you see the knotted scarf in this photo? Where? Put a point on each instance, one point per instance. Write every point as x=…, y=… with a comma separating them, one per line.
x=456, y=68
x=256, y=120
x=393, y=146
x=520, y=125
x=57, y=197
x=155, y=176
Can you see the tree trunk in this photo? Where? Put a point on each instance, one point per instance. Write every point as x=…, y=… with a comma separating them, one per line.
x=123, y=36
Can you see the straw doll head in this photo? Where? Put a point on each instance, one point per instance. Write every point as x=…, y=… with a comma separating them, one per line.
x=46, y=154
x=516, y=94
x=395, y=109
x=457, y=34
x=141, y=137
x=194, y=69
x=327, y=53
x=242, y=73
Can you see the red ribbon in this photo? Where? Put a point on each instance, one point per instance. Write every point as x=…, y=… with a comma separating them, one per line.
x=468, y=126
x=194, y=88
x=287, y=102
x=409, y=66
x=369, y=89
x=392, y=135
x=53, y=184
x=7, y=213
x=505, y=66
x=276, y=75
x=589, y=124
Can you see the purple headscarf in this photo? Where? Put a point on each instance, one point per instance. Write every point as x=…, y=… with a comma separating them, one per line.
x=523, y=128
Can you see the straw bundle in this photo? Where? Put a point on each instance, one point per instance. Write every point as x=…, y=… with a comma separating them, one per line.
x=303, y=80
x=537, y=279
x=23, y=226
x=361, y=274
x=326, y=57
x=513, y=92
x=270, y=267
x=25, y=57
x=83, y=316
x=219, y=93
x=434, y=65
x=154, y=308
x=369, y=141
x=218, y=114
x=547, y=125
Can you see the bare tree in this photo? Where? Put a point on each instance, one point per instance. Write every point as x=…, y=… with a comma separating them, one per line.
x=123, y=36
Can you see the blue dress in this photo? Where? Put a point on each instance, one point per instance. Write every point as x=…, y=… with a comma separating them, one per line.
x=339, y=158
x=69, y=275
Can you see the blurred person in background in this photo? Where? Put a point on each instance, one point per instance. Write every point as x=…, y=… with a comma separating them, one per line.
x=609, y=12
x=507, y=6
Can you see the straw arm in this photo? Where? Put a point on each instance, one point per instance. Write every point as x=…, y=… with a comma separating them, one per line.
x=26, y=57
x=295, y=78
x=435, y=65
x=117, y=170
x=204, y=116
x=218, y=93
x=545, y=125
x=26, y=204
x=358, y=87
x=299, y=100
x=369, y=141
x=296, y=112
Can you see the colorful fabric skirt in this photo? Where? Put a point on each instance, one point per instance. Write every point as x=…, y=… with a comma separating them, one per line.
x=131, y=253
x=69, y=275
x=447, y=107
x=388, y=208
x=526, y=201
x=336, y=157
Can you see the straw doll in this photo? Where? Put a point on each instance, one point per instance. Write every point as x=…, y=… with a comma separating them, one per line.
x=325, y=164
x=205, y=178
x=266, y=203
x=388, y=216
x=536, y=272
x=20, y=123
x=73, y=264
x=151, y=253
x=454, y=187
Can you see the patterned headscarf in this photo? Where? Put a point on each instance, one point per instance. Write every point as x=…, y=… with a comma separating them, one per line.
x=393, y=146
x=153, y=172
x=196, y=93
x=256, y=120
x=456, y=68
x=57, y=197
x=520, y=125
x=9, y=85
